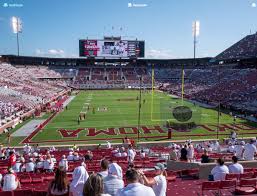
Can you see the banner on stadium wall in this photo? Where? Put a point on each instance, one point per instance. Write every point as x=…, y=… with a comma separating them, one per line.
x=111, y=48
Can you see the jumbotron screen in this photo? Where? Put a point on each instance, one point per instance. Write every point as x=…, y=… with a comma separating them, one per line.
x=111, y=48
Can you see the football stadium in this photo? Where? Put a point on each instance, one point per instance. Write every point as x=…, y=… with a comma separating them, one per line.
x=149, y=103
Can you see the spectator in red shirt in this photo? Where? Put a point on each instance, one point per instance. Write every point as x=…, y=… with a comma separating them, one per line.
x=12, y=159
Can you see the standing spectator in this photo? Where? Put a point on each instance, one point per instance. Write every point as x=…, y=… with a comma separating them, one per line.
x=173, y=153
x=30, y=166
x=11, y=159
x=60, y=185
x=48, y=164
x=108, y=145
x=94, y=186
x=249, y=151
x=104, y=168
x=79, y=178
x=11, y=181
x=76, y=156
x=134, y=188
x=131, y=154
x=235, y=168
x=113, y=182
x=205, y=157
x=190, y=153
x=64, y=163
x=219, y=172
x=239, y=150
x=159, y=182
x=142, y=154
x=183, y=153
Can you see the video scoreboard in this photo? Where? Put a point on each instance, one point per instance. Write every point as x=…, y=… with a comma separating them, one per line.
x=111, y=48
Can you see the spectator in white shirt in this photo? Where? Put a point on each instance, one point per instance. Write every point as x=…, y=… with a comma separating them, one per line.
x=76, y=156
x=48, y=164
x=159, y=182
x=249, y=151
x=190, y=153
x=79, y=178
x=104, y=168
x=40, y=163
x=134, y=188
x=235, y=168
x=219, y=172
x=18, y=165
x=231, y=147
x=63, y=163
x=11, y=181
x=70, y=157
x=108, y=145
x=30, y=166
x=131, y=154
x=113, y=181
x=239, y=150
x=142, y=154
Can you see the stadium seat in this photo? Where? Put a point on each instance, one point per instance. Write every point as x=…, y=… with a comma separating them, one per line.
x=22, y=192
x=246, y=187
x=210, y=186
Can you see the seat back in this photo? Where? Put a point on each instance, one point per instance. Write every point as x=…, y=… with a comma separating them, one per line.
x=228, y=184
x=232, y=176
x=210, y=185
x=247, y=175
x=6, y=193
x=247, y=182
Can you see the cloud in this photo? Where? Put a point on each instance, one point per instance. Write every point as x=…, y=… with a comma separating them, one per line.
x=160, y=54
x=56, y=52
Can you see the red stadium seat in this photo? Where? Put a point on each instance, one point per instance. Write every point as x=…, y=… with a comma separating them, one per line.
x=246, y=187
x=210, y=186
x=247, y=175
x=27, y=192
x=232, y=176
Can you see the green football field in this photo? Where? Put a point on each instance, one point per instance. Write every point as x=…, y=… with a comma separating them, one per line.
x=113, y=114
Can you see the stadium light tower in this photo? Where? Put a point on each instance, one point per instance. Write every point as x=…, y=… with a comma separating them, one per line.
x=17, y=28
x=196, y=33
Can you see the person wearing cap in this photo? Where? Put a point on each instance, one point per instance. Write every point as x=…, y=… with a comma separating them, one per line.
x=11, y=181
x=113, y=181
x=104, y=168
x=249, y=151
x=159, y=182
x=235, y=168
x=134, y=187
x=231, y=147
x=238, y=150
x=30, y=166
x=64, y=163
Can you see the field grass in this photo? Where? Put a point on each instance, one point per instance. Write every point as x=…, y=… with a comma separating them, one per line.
x=122, y=111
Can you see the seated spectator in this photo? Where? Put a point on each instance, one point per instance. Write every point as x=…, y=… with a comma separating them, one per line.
x=70, y=157
x=40, y=164
x=64, y=163
x=249, y=151
x=79, y=178
x=113, y=181
x=219, y=172
x=11, y=181
x=183, y=153
x=235, y=168
x=104, y=168
x=159, y=182
x=60, y=185
x=30, y=166
x=17, y=166
x=134, y=188
x=48, y=164
x=205, y=157
x=209, y=148
x=76, y=156
x=94, y=186
x=53, y=158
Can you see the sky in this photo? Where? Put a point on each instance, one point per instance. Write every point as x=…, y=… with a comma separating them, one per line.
x=54, y=27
